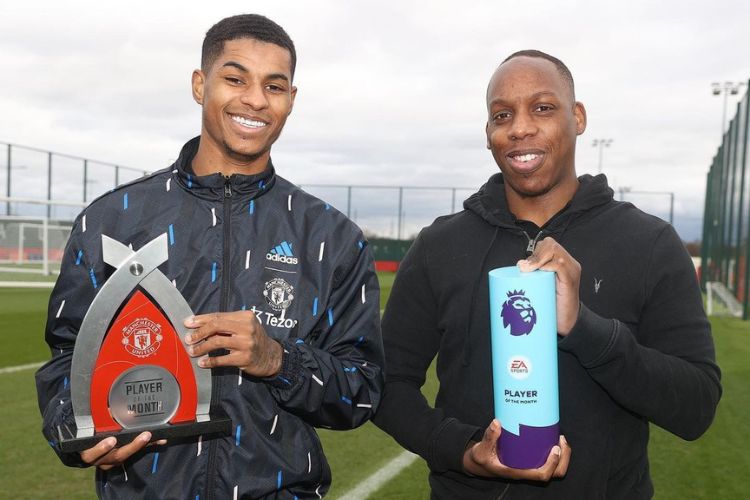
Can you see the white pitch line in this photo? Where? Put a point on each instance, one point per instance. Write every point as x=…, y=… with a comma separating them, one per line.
x=26, y=284
x=382, y=476
x=19, y=368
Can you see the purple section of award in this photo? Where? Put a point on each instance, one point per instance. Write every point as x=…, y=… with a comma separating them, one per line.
x=529, y=450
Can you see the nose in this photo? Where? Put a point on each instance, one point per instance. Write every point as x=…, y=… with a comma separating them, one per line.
x=255, y=97
x=522, y=126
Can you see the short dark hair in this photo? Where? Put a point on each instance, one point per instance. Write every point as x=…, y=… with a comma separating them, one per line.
x=561, y=68
x=252, y=26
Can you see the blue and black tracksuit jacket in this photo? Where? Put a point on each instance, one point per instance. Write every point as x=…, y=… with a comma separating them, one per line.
x=230, y=240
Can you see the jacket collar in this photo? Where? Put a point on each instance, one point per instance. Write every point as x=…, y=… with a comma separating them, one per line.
x=490, y=202
x=214, y=186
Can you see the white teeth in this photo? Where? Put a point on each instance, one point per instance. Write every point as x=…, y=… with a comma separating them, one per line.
x=248, y=123
x=526, y=157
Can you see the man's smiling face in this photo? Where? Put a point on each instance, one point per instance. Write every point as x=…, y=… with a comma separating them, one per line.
x=532, y=125
x=246, y=96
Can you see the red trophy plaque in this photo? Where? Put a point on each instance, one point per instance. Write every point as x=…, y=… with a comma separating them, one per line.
x=131, y=371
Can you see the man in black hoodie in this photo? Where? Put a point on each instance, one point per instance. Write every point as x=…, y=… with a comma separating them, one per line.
x=634, y=344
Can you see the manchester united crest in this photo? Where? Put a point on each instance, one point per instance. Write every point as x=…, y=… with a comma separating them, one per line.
x=142, y=337
x=278, y=294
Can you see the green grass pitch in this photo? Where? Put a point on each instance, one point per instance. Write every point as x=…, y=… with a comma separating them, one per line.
x=710, y=468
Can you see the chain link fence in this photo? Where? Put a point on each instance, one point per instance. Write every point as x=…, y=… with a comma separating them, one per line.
x=726, y=221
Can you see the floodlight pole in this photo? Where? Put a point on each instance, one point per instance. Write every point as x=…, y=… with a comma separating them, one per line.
x=400, y=211
x=49, y=192
x=7, y=187
x=601, y=143
x=626, y=189
x=728, y=88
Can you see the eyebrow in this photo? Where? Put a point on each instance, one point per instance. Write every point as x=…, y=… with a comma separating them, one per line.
x=272, y=76
x=537, y=95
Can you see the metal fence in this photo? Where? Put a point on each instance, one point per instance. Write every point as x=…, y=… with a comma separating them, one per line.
x=37, y=174
x=397, y=212
x=726, y=221
x=41, y=183
x=30, y=175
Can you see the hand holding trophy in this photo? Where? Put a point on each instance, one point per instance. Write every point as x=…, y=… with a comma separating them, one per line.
x=131, y=371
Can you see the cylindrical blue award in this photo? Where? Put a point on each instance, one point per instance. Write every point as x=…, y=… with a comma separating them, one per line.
x=523, y=317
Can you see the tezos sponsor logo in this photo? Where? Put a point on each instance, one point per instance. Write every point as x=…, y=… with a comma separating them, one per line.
x=269, y=319
x=519, y=367
x=142, y=337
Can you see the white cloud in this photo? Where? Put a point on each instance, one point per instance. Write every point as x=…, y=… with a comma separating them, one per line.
x=390, y=93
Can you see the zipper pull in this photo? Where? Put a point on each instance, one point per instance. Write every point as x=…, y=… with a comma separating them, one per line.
x=227, y=188
x=531, y=245
x=532, y=242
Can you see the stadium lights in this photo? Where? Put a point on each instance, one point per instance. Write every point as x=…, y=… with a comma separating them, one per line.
x=729, y=88
x=626, y=189
x=601, y=144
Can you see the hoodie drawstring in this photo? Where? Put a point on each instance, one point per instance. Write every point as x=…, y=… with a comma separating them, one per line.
x=472, y=304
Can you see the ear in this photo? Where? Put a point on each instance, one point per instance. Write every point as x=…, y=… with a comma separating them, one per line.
x=580, y=113
x=198, y=84
x=487, y=134
x=291, y=104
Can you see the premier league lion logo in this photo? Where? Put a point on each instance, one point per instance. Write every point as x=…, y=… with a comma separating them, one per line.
x=518, y=313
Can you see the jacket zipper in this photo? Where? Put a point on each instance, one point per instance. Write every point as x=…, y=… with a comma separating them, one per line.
x=532, y=241
x=223, y=306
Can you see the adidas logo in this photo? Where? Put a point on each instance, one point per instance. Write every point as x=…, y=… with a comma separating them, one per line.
x=282, y=253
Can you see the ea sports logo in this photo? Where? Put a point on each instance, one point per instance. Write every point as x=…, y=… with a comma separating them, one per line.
x=518, y=313
x=519, y=367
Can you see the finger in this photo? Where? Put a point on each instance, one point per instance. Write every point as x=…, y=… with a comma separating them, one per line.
x=94, y=453
x=485, y=452
x=234, y=358
x=119, y=455
x=562, y=466
x=543, y=252
x=490, y=437
x=160, y=442
x=493, y=431
x=557, y=264
x=544, y=473
x=196, y=321
x=218, y=324
x=525, y=266
x=208, y=325
x=201, y=326
x=535, y=262
x=229, y=342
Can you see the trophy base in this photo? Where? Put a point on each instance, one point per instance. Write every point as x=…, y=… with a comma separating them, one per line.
x=218, y=424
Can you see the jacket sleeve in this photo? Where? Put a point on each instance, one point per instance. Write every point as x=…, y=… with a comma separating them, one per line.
x=666, y=371
x=412, y=338
x=334, y=377
x=73, y=292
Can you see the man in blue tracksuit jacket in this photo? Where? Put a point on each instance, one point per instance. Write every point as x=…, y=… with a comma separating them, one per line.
x=283, y=287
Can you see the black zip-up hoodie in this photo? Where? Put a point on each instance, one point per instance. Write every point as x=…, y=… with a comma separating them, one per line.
x=641, y=350
x=225, y=238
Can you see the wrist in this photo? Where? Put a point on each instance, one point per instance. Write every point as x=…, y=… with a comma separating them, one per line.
x=571, y=323
x=276, y=358
x=286, y=366
x=468, y=463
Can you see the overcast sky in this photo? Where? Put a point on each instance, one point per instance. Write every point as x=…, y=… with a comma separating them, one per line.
x=389, y=92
